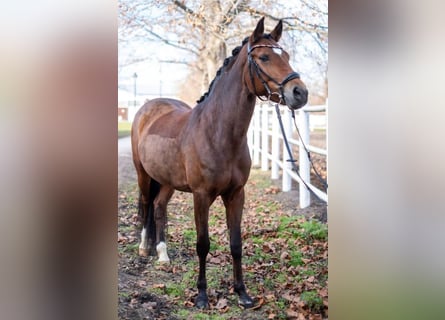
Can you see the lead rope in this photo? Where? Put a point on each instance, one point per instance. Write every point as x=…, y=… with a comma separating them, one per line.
x=291, y=158
x=323, y=181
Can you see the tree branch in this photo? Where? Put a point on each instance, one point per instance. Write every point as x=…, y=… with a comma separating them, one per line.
x=233, y=11
x=169, y=42
x=285, y=20
x=189, y=11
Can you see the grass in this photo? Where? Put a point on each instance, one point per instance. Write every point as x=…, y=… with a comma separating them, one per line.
x=123, y=129
x=315, y=230
x=298, y=232
x=267, y=274
x=312, y=300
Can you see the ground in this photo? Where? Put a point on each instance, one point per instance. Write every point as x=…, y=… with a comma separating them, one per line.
x=284, y=255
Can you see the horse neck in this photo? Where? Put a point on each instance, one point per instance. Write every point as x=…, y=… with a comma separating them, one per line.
x=230, y=105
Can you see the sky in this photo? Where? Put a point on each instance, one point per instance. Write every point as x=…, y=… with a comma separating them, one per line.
x=154, y=77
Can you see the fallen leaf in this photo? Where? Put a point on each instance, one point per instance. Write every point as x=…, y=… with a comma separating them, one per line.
x=284, y=255
x=149, y=305
x=258, y=303
x=142, y=283
x=323, y=292
x=221, y=304
x=215, y=260
x=189, y=304
x=288, y=296
x=291, y=314
x=270, y=297
x=301, y=317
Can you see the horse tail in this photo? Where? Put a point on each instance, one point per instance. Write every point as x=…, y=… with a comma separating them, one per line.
x=141, y=211
x=146, y=209
x=150, y=223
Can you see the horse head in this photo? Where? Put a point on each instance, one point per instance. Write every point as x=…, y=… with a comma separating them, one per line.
x=269, y=73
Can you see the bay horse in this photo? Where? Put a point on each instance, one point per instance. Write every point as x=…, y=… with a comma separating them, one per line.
x=204, y=150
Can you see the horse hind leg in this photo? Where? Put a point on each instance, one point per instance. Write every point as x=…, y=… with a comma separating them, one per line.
x=160, y=216
x=149, y=189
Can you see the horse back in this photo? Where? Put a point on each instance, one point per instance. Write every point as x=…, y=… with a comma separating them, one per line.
x=158, y=115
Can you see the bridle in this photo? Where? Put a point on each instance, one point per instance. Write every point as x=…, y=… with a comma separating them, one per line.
x=260, y=72
x=293, y=75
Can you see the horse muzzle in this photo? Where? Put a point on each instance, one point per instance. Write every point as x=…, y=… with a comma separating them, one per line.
x=295, y=96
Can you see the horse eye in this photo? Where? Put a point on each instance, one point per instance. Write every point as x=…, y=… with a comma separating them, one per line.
x=264, y=57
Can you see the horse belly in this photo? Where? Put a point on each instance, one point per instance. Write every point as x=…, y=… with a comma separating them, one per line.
x=161, y=159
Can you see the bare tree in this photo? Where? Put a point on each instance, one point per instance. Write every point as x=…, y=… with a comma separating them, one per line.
x=202, y=30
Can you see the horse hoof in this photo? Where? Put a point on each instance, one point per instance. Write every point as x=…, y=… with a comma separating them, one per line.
x=202, y=302
x=164, y=261
x=144, y=252
x=246, y=302
x=161, y=249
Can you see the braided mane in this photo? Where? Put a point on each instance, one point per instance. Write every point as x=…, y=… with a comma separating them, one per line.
x=220, y=70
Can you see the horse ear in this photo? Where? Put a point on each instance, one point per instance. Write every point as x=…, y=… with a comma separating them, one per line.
x=259, y=31
x=276, y=33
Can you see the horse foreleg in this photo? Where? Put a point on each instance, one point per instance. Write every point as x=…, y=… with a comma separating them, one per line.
x=234, y=203
x=201, y=207
x=160, y=215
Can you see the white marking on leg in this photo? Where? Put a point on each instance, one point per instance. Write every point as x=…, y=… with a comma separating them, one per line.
x=161, y=248
x=143, y=244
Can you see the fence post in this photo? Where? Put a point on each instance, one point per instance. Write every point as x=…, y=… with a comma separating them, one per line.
x=275, y=147
x=264, y=137
x=287, y=165
x=256, y=136
x=305, y=169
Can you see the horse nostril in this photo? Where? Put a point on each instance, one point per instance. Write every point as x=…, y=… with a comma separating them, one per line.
x=297, y=92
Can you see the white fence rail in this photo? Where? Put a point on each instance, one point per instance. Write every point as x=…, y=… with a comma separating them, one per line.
x=268, y=150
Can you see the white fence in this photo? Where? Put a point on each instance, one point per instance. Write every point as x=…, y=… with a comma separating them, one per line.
x=268, y=150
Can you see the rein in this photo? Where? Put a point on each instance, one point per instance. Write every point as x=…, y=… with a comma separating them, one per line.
x=259, y=72
x=289, y=152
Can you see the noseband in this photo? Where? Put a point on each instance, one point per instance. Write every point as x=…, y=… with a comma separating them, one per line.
x=260, y=72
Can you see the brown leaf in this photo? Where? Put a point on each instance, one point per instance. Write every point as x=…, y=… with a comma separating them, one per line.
x=215, y=260
x=149, y=305
x=189, y=304
x=221, y=304
x=288, y=296
x=268, y=248
x=291, y=314
x=284, y=255
x=258, y=303
x=142, y=283
x=323, y=292
x=270, y=297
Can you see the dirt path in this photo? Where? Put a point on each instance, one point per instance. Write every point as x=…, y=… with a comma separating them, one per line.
x=151, y=291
